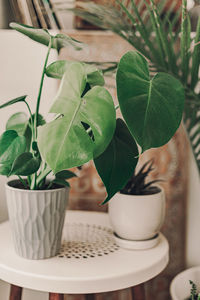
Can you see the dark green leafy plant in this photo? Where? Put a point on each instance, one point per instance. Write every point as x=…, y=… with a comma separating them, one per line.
x=142, y=100
x=84, y=125
x=194, y=295
x=162, y=33
x=137, y=184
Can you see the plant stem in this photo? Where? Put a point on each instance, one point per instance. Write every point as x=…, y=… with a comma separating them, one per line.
x=29, y=180
x=23, y=182
x=42, y=175
x=34, y=178
x=185, y=36
x=50, y=185
x=40, y=89
x=31, y=117
x=116, y=106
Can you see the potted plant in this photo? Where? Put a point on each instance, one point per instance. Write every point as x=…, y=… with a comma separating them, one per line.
x=37, y=202
x=137, y=212
x=185, y=285
x=194, y=295
x=83, y=127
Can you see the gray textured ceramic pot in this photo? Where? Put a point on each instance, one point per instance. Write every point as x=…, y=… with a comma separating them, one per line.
x=36, y=219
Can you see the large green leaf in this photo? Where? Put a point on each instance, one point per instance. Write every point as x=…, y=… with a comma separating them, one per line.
x=117, y=163
x=65, y=142
x=42, y=36
x=5, y=169
x=58, y=68
x=11, y=146
x=152, y=108
x=25, y=164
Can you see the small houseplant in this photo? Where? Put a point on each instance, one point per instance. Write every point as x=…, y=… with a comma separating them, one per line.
x=194, y=295
x=185, y=285
x=84, y=127
x=137, y=212
x=36, y=204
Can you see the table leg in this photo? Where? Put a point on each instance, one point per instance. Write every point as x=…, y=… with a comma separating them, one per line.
x=89, y=296
x=55, y=296
x=15, y=292
x=138, y=292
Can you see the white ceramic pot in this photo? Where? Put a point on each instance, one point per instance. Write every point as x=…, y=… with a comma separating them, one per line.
x=135, y=217
x=180, y=286
x=36, y=219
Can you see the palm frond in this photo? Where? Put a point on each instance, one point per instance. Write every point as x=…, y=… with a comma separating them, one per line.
x=196, y=58
x=164, y=37
x=185, y=42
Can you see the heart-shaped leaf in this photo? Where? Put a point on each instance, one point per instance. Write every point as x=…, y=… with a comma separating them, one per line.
x=117, y=163
x=13, y=101
x=58, y=68
x=11, y=146
x=42, y=36
x=65, y=174
x=65, y=142
x=61, y=182
x=18, y=122
x=152, y=108
x=25, y=164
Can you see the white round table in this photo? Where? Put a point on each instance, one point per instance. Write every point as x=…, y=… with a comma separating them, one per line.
x=89, y=261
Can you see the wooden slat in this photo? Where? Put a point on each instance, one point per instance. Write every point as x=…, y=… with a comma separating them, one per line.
x=15, y=292
x=90, y=297
x=138, y=292
x=55, y=296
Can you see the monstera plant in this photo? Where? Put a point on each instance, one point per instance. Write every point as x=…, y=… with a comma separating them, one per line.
x=84, y=125
x=161, y=31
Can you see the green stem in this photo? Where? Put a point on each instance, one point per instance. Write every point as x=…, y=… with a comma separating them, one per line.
x=31, y=117
x=30, y=112
x=50, y=185
x=184, y=42
x=42, y=175
x=29, y=180
x=23, y=182
x=34, y=178
x=40, y=89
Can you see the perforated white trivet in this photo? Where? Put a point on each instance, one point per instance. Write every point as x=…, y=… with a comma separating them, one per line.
x=83, y=241
x=89, y=261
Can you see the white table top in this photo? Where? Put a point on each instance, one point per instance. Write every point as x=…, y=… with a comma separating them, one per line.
x=89, y=262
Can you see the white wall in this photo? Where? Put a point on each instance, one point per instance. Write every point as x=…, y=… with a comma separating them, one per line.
x=21, y=62
x=193, y=217
x=193, y=210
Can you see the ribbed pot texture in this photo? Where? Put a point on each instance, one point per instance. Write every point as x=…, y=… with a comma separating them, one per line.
x=36, y=219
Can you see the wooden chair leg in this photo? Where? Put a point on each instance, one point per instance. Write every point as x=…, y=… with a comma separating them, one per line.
x=15, y=292
x=89, y=296
x=55, y=296
x=138, y=292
